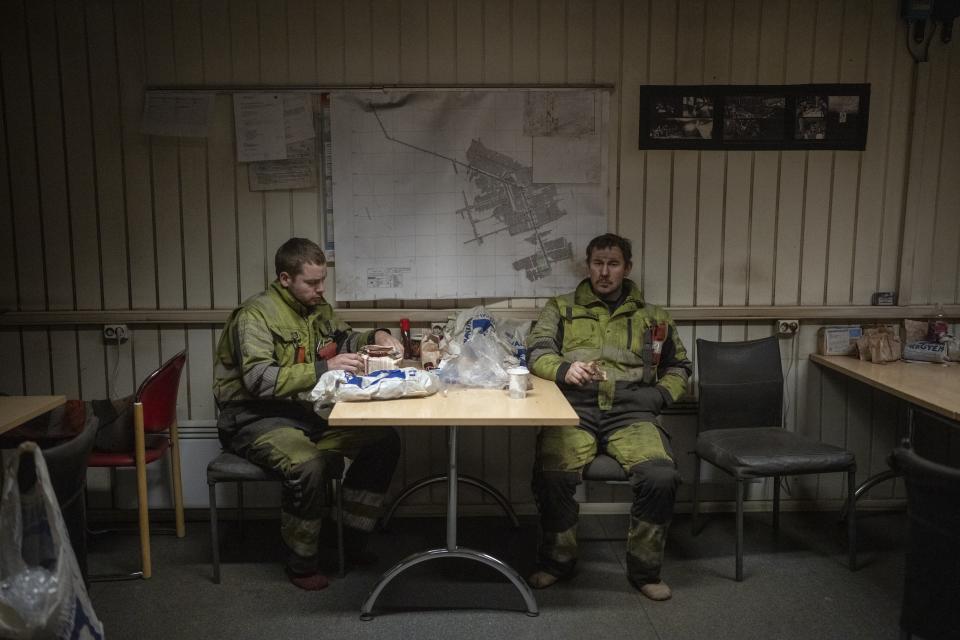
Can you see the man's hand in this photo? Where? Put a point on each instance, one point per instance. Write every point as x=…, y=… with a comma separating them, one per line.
x=578, y=374
x=384, y=339
x=349, y=362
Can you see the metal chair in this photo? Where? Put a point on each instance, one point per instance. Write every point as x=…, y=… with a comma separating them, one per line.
x=740, y=429
x=155, y=432
x=931, y=585
x=67, y=463
x=229, y=467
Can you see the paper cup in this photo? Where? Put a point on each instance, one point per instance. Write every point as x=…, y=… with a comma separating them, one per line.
x=518, y=382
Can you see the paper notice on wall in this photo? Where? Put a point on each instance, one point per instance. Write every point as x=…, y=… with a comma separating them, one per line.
x=260, y=126
x=282, y=174
x=177, y=113
x=298, y=117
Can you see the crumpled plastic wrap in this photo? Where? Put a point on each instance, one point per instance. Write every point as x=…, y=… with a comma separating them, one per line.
x=340, y=386
x=508, y=333
x=482, y=361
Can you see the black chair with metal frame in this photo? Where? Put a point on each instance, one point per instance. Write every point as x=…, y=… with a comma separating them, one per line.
x=931, y=585
x=740, y=430
x=229, y=467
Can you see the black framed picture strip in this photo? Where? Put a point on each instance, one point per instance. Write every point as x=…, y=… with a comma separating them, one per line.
x=752, y=117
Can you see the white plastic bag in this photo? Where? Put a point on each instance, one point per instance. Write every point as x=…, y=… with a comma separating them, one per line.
x=42, y=594
x=340, y=386
x=482, y=362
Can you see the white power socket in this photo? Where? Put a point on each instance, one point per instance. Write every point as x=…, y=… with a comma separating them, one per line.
x=115, y=332
x=787, y=328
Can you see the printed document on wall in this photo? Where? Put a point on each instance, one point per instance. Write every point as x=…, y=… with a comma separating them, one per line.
x=466, y=193
x=259, y=121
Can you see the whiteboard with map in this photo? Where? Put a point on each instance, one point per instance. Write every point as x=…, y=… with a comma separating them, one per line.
x=466, y=193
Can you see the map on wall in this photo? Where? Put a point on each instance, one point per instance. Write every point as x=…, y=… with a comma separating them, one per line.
x=466, y=193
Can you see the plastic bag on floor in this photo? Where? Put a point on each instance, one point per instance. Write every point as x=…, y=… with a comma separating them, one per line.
x=42, y=594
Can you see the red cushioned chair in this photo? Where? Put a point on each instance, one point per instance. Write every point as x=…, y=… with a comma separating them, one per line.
x=155, y=432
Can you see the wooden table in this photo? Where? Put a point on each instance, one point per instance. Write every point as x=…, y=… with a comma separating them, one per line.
x=934, y=387
x=931, y=386
x=15, y=410
x=453, y=408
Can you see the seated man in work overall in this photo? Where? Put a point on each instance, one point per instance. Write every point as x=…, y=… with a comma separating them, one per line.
x=619, y=361
x=275, y=346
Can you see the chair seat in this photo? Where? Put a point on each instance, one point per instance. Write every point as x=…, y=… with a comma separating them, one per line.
x=770, y=451
x=156, y=448
x=604, y=468
x=231, y=467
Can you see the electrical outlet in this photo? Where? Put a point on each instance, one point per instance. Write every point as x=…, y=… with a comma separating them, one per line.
x=787, y=328
x=115, y=332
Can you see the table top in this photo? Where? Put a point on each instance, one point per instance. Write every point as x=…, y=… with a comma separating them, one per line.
x=935, y=387
x=463, y=406
x=15, y=410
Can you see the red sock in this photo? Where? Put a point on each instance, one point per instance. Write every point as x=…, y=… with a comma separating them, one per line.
x=310, y=582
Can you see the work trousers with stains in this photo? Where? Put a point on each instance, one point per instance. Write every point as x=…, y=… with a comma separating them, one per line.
x=643, y=450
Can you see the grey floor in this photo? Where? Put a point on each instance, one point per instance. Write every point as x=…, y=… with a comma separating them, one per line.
x=796, y=585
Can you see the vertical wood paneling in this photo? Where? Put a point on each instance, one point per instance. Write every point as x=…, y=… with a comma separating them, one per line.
x=870, y=199
x=48, y=131
x=108, y=155
x=194, y=210
x=924, y=184
x=553, y=41
x=820, y=165
x=36, y=361
x=93, y=214
x=846, y=179
x=65, y=366
x=331, y=46
x=302, y=40
x=686, y=167
x=581, y=31
x=137, y=169
x=635, y=72
x=251, y=245
x=92, y=370
x=608, y=50
x=944, y=276
x=78, y=143
x=358, y=53
x=221, y=176
x=766, y=165
x=165, y=183
x=497, y=50
x=413, y=41
x=526, y=41
x=278, y=214
x=470, y=44
x=651, y=232
x=8, y=248
x=21, y=149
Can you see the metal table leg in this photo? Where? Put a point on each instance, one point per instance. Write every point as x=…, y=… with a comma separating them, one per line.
x=443, y=477
x=451, y=550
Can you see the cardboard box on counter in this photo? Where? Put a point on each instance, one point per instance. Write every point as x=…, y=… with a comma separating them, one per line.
x=838, y=340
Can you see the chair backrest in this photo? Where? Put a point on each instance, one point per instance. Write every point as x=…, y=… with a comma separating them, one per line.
x=740, y=384
x=931, y=578
x=67, y=461
x=158, y=394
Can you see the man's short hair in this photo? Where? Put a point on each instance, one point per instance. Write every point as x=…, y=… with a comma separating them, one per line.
x=296, y=252
x=608, y=241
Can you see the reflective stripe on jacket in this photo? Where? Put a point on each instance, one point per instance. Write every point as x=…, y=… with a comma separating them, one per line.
x=637, y=346
x=257, y=354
